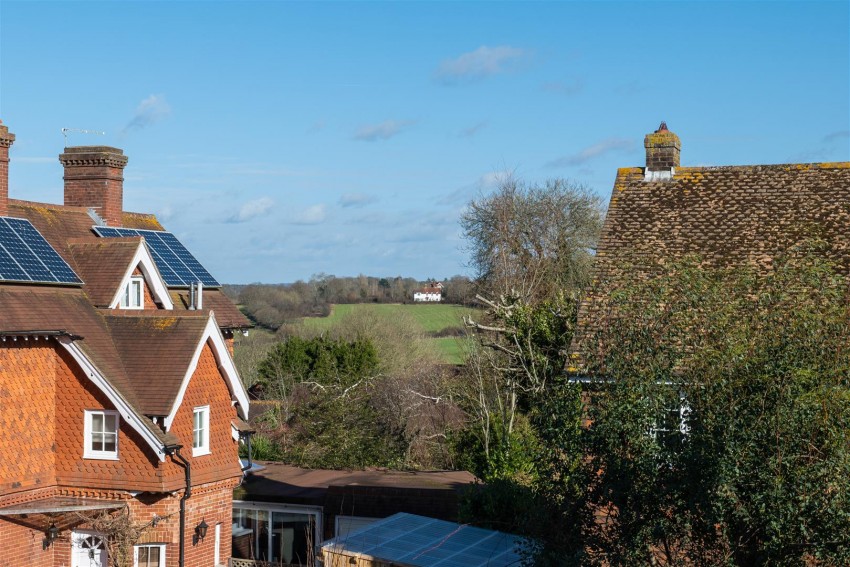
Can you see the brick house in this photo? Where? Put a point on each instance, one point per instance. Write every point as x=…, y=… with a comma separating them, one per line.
x=119, y=392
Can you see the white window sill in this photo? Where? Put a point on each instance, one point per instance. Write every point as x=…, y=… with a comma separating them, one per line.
x=201, y=452
x=101, y=456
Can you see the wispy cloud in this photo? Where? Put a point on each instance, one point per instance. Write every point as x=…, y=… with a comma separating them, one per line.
x=251, y=210
x=833, y=146
x=566, y=88
x=594, y=151
x=150, y=110
x=482, y=63
x=836, y=136
x=312, y=215
x=356, y=200
x=472, y=130
x=484, y=184
x=383, y=131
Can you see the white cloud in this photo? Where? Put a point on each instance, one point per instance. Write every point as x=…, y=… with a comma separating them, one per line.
x=150, y=110
x=252, y=209
x=594, y=151
x=480, y=64
x=356, y=200
x=312, y=215
x=383, y=131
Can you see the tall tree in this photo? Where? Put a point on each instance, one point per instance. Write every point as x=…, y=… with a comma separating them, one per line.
x=532, y=241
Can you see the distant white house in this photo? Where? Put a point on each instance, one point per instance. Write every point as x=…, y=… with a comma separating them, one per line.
x=431, y=292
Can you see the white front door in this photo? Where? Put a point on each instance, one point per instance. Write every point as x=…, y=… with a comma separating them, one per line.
x=88, y=549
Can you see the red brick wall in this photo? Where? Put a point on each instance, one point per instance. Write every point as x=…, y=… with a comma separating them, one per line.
x=21, y=546
x=137, y=468
x=6, y=140
x=26, y=414
x=94, y=179
x=213, y=504
x=208, y=387
x=44, y=396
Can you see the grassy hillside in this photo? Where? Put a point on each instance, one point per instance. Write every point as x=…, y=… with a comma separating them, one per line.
x=432, y=319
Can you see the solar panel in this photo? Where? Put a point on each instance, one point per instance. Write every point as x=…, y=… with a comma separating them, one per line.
x=175, y=263
x=25, y=256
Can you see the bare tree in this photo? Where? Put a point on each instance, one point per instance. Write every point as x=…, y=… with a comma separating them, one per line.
x=533, y=241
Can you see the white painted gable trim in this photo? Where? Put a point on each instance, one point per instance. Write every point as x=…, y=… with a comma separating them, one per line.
x=212, y=335
x=144, y=261
x=128, y=414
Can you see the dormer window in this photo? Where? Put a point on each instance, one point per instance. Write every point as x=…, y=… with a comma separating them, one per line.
x=133, y=296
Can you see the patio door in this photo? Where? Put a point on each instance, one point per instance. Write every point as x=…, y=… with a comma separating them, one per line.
x=88, y=549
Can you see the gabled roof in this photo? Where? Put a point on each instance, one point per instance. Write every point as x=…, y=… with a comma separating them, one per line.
x=101, y=265
x=105, y=265
x=156, y=350
x=728, y=216
x=141, y=359
x=68, y=229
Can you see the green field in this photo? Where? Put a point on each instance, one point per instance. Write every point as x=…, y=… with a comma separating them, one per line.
x=431, y=318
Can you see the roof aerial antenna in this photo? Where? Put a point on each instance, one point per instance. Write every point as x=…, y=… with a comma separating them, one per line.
x=79, y=131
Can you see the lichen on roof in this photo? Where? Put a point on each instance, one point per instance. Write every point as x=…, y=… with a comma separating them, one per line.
x=141, y=221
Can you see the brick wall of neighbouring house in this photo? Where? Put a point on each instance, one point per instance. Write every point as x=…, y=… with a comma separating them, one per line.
x=208, y=387
x=26, y=414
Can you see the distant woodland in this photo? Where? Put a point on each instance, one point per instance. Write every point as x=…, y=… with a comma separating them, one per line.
x=272, y=305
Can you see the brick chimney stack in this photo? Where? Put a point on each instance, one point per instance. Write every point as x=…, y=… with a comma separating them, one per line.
x=6, y=140
x=662, y=149
x=94, y=178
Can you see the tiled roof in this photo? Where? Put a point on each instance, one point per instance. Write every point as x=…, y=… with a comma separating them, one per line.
x=430, y=290
x=102, y=264
x=69, y=231
x=143, y=354
x=728, y=216
x=156, y=349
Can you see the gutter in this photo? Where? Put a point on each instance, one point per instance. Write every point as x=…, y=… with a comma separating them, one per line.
x=36, y=334
x=174, y=452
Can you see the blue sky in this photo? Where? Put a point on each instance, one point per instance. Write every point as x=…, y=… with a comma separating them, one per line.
x=283, y=139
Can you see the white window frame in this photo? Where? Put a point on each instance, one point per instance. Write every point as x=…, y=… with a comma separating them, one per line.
x=161, y=546
x=202, y=448
x=127, y=299
x=88, y=450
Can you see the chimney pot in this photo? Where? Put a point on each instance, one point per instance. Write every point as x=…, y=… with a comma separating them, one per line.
x=6, y=140
x=662, y=149
x=94, y=178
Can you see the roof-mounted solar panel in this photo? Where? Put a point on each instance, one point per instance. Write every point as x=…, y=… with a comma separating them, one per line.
x=25, y=256
x=175, y=263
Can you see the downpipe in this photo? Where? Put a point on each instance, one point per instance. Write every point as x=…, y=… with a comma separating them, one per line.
x=174, y=452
